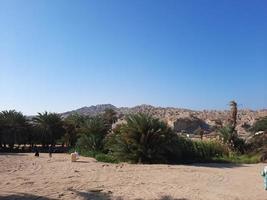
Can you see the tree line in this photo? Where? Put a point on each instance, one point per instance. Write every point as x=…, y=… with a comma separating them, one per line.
x=46, y=128
x=140, y=139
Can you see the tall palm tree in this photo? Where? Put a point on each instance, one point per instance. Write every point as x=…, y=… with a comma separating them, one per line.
x=76, y=119
x=92, y=132
x=13, y=128
x=70, y=135
x=72, y=125
x=233, y=106
x=49, y=126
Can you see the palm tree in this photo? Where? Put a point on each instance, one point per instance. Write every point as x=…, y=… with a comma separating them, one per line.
x=13, y=127
x=227, y=135
x=76, y=119
x=110, y=117
x=72, y=125
x=92, y=132
x=230, y=137
x=70, y=135
x=142, y=139
x=49, y=126
x=233, y=106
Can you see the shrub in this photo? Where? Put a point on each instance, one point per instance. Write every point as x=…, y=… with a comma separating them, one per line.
x=207, y=151
x=143, y=139
x=105, y=158
x=260, y=125
x=92, y=134
x=147, y=140
x=230, y=137
x=240, y=159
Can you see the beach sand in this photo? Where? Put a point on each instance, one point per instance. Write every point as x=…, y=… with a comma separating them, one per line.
x=23, y=176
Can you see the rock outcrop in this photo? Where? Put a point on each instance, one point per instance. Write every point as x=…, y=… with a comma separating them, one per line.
x=190, y=125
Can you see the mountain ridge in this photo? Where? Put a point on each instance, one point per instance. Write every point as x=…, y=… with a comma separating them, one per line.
x=182, y=116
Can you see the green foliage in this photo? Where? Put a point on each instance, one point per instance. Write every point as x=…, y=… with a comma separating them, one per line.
x=143, y=139
x=229, y=137
x=92, y=133
x=206, y=151
x=260, y=125
x=258, y=145
x=110, y=117
x=49, y=126
x=76, y=120
x=70, y=136
x=72, y=124
x=90, y=142
x=188, y=151
x=106, y=158
x=94, y=125
x=13, y=128
x=240, y=159
x=226, y=134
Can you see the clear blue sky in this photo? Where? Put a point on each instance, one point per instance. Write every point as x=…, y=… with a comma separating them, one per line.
x=59, y=55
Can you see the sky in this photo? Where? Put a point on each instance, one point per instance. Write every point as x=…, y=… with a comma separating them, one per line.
x=59, y=55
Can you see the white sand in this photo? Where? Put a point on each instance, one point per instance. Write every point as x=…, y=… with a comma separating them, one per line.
x=24, y=176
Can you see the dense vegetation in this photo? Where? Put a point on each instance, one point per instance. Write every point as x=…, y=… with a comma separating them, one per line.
x=140, y=139
x=260, y=125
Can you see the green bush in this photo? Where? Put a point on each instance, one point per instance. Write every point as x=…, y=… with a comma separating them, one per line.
x=188, y=151
x=240, y=159
x=207, y=151
x=92, y=133
x=91, y=142
x=143, y=139
x=147, y=140
x=260, y=125
x=229, y=137
x=106, y=158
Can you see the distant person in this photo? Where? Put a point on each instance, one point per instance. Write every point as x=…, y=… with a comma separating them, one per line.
x=264, y=174
x=50, y=151
x=35, y=150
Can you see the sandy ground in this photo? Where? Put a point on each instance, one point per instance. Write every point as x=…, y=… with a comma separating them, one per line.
x=22, y=176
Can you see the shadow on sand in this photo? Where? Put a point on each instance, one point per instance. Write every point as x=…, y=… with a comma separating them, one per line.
x=24, y=196
x=217, y=165
x=99, y=195
x=171, y=198
x=95, y=195
x=12, y=154
x=90, y=195
x=81, y=161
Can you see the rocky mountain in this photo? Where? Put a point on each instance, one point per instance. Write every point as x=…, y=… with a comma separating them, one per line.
x=90, y=111
x=179, y=118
